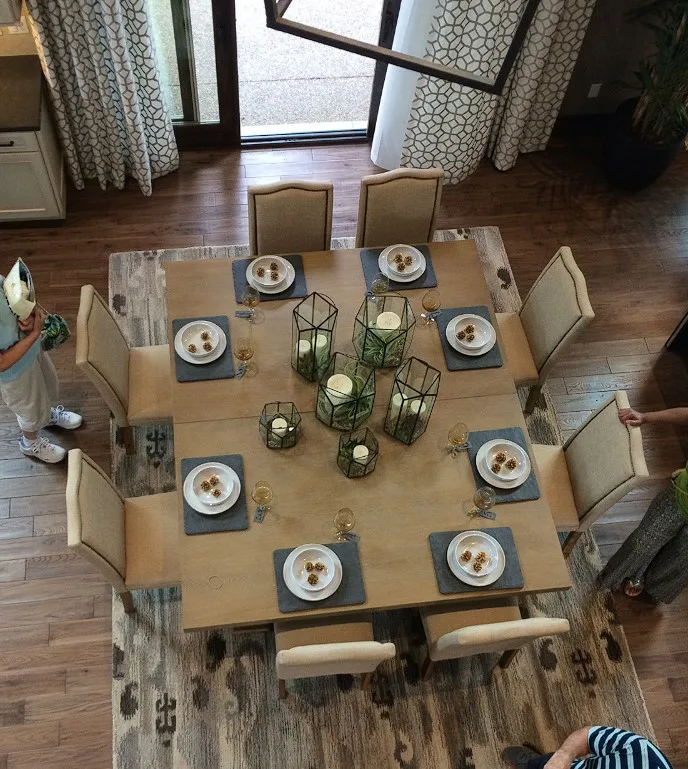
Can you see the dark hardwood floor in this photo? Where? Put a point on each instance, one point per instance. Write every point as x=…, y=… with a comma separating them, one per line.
x=55, y=611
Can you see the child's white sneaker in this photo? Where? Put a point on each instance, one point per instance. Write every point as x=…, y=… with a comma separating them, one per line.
x=42, y=449
x=68, y=420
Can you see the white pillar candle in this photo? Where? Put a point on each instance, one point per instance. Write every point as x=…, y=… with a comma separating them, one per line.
x=321, y=342
x=340, y=387
x=417, y=407
x=398, y=401
x=280, y=426
x=387, y=322
x=360, y=453
x=304, y=348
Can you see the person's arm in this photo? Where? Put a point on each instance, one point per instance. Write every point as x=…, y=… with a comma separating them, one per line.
x=573, y=747
x=678, y=416
x=34, y=326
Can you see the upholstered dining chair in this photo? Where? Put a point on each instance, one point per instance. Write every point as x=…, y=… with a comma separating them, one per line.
x=597, y=466
x=134, y=382
x=553, y=315
x=306, y=649
x=132, y=542
x=480, y=627
x=290, y=216
x=399, y=206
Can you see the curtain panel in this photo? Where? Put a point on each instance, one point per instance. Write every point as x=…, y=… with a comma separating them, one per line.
x=99, y=62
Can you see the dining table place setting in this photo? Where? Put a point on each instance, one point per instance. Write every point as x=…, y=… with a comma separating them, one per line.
x=274, y=277
x=473, y=560
x=214, y=498
x=404, y=267
x=202, y=349
x=468, y=338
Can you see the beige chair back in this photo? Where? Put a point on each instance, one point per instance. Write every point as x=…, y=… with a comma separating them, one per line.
x=605, y=460
x=399, y=206
x=290, y=217
x=496, y=637
x=95, y=518
x=555, y=311
x=332, y=659
x=102, y=353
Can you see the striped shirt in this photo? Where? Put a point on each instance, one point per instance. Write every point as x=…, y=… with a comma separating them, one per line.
x=617, y=749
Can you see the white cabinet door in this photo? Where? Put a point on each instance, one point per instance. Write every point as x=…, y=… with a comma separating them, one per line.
x=25, y=189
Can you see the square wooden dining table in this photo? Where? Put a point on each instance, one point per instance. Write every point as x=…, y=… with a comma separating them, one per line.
x=227, y=578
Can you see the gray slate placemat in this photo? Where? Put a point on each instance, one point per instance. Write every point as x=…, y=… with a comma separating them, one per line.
x=349, y=593
x=235, y=518
x=455, y=360
x=511, y=579
x=222, y=368
x=369, y=262
x=297, y=290
x=527, y=490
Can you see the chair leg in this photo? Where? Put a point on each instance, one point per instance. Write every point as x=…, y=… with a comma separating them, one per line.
x=533, y=397
x=127, y=434
x=283, y=693
x=128, y=602
x=507, y=658
x=426, y=668
x=570, y=542
x=366, y=681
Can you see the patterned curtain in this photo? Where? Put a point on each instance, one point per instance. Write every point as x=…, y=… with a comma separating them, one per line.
x=100, y=66
x=454, y=126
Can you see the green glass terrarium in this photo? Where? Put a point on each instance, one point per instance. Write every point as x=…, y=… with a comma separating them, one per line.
x=280, y=425
x=383, y=330
x=358, y=451
x=313, y=323
x=346, y=393
x=411, y=401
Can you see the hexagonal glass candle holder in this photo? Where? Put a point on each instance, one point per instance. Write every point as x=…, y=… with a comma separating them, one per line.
x=346, y=393
x=280, y=425
x=358, y=452
x=411, y=401
x=312, y=333
x=383, y=330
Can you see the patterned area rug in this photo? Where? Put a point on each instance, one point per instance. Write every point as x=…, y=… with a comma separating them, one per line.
x=209, y=700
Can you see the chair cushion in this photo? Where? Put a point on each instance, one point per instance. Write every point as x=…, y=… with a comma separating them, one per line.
x=516, y=349
x=152, y=541
x=358, y=627
x=440, y=620
x=150, y=385
x=554, y=474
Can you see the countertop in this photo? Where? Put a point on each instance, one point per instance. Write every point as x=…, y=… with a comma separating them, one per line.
x=20, y=93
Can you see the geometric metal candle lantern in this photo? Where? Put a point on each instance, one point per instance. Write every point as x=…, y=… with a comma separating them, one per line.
x=413, y=396
x=346, y=393
x=358, y=452
x=280, y=425
x=313, y=323
x=383, y=330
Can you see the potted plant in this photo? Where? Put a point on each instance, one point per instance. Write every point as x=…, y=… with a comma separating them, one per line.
x=647, y=133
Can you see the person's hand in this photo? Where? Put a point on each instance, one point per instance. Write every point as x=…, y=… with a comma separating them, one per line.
x=560, y=760
x=38, y=320
x=27, y=325
x=631, y=417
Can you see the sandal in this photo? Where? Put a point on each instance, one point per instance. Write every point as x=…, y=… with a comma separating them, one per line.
x=632, y=587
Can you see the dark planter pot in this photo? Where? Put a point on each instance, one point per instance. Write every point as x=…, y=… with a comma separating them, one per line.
x=629, y=162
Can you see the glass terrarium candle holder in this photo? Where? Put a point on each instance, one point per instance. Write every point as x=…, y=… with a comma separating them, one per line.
x=383, y=330
x=280, y=425
x=358, y=452
x=411, y=401
x=313, y=323
x=346, y=393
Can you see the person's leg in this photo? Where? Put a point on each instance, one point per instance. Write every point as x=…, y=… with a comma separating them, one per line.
x=521, y=757
x=59, y=417
x=668, y=573
x=660, y=524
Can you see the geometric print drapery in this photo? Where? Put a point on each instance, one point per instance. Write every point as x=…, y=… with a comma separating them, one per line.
x=453, y=126
x=99, y=62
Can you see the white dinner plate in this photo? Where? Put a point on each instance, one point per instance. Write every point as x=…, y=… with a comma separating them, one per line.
x=482, y=464
x=191, y=497
x=388, y=253
x=477, y=580
x=401, y=277
x=456, y=345
x=192, y=333
x=297, y=589
x=291, y=276
x=476, y=542
x=314, y=554
x=484, y=332
x=225, y=485
x=184, y=354
x=265, y=282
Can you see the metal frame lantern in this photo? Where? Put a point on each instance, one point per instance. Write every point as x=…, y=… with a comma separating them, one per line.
x=358, y=452
x=383, y=330
x=346, y=393
x=412, y=399
x=313, y=323
x=280, y=425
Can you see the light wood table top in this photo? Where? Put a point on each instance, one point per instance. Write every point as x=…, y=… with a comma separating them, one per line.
x=228, y=578
x=205, y=287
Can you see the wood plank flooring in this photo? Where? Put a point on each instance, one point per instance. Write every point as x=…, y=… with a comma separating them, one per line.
x=55, y=612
